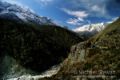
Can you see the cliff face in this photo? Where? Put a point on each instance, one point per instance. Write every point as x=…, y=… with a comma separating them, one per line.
x=78, y=53
x=99, y=56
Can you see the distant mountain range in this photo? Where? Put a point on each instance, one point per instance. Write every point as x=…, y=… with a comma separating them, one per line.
x=89, y=30
x=15, y=12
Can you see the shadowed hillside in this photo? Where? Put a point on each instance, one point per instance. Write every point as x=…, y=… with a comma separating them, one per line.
x=36, y=47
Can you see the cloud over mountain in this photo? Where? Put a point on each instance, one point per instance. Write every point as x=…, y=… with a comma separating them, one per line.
x=78, y=16
x=100, y=9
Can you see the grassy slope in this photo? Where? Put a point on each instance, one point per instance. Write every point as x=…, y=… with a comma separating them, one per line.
x=35, y=47
x=105, y=55
x=108, y=30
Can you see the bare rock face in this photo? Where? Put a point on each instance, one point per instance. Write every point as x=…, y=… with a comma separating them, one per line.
x=78, y=53
x=100, y=54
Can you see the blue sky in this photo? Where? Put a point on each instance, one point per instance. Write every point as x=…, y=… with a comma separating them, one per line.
x=74, y=13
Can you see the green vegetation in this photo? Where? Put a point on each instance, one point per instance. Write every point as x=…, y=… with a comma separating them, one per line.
x=102, y=53
x=36, y=47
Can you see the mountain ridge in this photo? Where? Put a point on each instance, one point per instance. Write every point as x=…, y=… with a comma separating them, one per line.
x=89, y=30
x=25, y=15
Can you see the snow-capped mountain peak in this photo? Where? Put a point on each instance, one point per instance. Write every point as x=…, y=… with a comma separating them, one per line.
x=24, y=14
x=90, y=27
x=89, y=30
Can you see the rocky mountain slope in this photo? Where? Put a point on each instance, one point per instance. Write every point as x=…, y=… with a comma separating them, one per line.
x=15, y=12
x=95, y=59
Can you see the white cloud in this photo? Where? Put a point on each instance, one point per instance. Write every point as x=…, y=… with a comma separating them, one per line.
x=99, y=9
x=96, y=8
x=93, y=7
x=10, y=1
x=44, y=2
x=73, y=21
x=79, y=16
